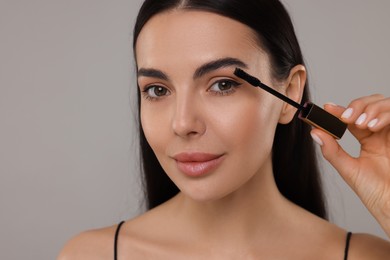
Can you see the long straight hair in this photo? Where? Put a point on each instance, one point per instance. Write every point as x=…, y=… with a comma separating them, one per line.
x=293, y=153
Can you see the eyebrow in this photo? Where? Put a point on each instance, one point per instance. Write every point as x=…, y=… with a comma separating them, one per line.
x=199, y=72
x=153, y=73
x=218, y=64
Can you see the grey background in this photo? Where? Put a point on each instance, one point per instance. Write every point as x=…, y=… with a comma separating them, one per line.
x=68, y=158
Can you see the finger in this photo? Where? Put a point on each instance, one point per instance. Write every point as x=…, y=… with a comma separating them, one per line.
x=334, y=109
x=376, y=115
x=354, y=111
x=372, y=114
x=379, y=123
x=345, y=164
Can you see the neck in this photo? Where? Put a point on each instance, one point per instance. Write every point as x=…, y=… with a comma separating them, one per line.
x=256, y=207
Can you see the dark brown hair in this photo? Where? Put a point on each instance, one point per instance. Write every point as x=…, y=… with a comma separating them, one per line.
x=294, y=158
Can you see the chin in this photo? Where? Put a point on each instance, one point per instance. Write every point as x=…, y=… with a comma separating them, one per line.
x=204, y=193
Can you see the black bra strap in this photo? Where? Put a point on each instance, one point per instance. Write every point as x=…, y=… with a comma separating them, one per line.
x=349, y=234
x=116, y=240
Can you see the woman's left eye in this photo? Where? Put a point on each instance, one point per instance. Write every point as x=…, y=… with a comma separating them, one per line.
x=224, y=87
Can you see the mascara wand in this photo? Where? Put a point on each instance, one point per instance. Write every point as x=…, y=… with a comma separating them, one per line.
x=308, y=112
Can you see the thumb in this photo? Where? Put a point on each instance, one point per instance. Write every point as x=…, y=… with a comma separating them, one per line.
x=345, y=164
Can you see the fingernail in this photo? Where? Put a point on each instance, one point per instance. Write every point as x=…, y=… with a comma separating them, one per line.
x=361, y=119
x=347, y=113
x=331, y=104
x=373, y=122
x=317, y=139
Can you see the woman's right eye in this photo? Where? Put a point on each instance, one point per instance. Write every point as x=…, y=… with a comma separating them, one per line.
x=155, y=92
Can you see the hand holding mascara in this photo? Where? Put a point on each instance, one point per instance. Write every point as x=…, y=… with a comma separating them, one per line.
x=308, y=112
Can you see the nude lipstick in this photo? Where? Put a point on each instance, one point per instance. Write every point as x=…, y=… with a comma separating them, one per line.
x=308, y=112
x=197, y=164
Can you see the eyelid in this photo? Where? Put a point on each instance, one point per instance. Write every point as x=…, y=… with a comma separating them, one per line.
x=145, y=92
x=151, y=85
x=145, y=82
x=234, y=85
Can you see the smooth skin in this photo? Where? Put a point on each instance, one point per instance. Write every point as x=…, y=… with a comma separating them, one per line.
x=234, y=211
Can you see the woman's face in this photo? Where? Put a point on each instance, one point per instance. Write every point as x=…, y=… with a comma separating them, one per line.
x=211, y=132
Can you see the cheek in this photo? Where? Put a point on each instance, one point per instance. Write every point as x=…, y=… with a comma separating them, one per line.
x=248, y=125
x=248, y=133
x=155, y=127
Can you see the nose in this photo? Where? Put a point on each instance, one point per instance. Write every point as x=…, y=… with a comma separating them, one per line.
x=188, y=119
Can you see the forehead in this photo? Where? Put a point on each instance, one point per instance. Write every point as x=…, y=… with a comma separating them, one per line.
x=180, y=36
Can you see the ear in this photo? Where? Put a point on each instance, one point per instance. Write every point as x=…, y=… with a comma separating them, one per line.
x=294, y=86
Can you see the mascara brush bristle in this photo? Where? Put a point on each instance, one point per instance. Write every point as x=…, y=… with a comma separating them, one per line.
x=245, y=76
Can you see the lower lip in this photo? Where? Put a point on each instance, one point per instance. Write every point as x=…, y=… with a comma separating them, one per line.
x=197, y=169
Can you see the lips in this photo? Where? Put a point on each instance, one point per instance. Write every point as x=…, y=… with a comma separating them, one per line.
x=197, y=164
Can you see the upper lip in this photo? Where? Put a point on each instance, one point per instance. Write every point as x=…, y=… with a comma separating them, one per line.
x=195, y=157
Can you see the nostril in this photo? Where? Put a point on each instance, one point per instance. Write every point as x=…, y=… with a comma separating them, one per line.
x=188, y=117
x=188, y=126
x=192, y=133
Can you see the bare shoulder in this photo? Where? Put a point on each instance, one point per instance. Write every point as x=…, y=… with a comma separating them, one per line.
x=365, y=246
x=93, y=244
x=99, y=243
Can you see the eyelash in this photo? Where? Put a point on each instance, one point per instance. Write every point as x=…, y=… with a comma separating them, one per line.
x=233, y=86
x=147, y=96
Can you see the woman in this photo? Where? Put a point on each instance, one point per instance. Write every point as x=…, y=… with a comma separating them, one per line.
x=230, y=170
